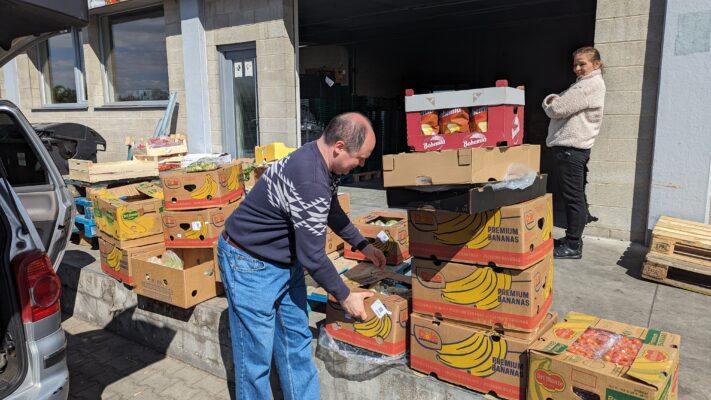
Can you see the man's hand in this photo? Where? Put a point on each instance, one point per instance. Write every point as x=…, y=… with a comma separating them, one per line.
x=374, y=255
x=353, y=304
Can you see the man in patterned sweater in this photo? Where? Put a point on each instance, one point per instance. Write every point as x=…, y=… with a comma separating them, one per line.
x=277, y=231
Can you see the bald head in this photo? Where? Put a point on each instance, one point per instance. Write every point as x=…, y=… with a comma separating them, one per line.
x=351, y=128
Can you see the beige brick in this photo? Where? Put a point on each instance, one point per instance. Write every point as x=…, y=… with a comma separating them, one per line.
x=614, y=217
x=621, y=8
x=618, y=172
x=274, y=46
x=627, y=126
x=279, y=109
x=617, y=149
x=277, y=124
x=277, y=79
x=624, y=78
x=630, y=103
x=277, y=93
x=627, y=29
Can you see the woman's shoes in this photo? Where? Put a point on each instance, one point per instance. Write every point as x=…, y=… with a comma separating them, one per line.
x=568, y=249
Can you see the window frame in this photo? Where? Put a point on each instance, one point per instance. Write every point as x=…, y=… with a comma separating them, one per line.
x=104, y=36
x=79, y=74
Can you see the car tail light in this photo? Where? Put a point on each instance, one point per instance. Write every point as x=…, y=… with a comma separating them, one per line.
x=38, y=284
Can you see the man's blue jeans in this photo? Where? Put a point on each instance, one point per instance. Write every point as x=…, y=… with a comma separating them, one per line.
x=268, y=315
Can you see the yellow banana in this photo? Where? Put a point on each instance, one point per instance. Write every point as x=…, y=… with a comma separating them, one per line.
x=499, y=351
x=459, y=230
x=474, y=296
x=549, y=284
x=473, y=342
x=492, y=300
x=471, y=356
x=374, y=327
x=469, y=282
x=113, y=259
x=208, y=189
x=196, y=234
x=481, y=239
x=233, y=180
x=548, y=223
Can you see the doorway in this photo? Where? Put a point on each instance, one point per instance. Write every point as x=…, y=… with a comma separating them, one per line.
x=239, y=98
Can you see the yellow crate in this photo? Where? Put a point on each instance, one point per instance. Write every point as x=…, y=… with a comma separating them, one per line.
x=271, y=152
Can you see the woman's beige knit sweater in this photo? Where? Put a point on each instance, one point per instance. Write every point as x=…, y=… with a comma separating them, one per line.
x=576, y=114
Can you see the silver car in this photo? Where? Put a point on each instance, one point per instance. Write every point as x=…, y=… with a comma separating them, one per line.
x=36, y=215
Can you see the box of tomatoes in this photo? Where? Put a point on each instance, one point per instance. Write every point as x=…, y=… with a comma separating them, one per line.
x=587, y=357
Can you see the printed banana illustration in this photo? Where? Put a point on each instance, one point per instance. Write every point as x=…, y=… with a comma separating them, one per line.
x=192, y=234
x=480, y=288
x=374, y=327
x=549, y=284
x=114, y=259
x=471, y=230
x=233, y=180
x=208, y=189
x=132, y=226
x=548, y=224
x=386, y=247
x=474, y=354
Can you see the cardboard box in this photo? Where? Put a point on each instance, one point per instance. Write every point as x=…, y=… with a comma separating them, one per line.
x=464, y=198
x=504, y=106
x=516, y=236
x=271, y=152
x=493, y=297
x=196, y=228
x=185, y=287
x=457, y=167
x=194, y=190
x=117, y=262
x=129, y=212
x=559, y=371
x=396, y=249
x=385, y=333
x=477, y=359
x=333, y=241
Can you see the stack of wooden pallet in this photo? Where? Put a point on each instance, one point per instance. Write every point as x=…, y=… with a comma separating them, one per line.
x=680, y=255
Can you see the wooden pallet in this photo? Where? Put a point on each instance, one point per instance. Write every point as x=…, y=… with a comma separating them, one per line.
x=674, y=271
x=366, y=176
x=684, y=240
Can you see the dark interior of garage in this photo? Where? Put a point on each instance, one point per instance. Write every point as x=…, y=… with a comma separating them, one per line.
x=362, y=55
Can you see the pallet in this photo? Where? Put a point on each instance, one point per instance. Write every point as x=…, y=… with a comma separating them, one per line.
x=684, y=240
x=90, y=172
x=673, y=271
x=366, y=176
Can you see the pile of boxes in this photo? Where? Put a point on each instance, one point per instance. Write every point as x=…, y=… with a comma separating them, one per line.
x=197, y=205
x=482, y=271
x=385, y=230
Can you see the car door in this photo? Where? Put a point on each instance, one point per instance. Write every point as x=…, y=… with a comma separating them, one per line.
x=36, y=180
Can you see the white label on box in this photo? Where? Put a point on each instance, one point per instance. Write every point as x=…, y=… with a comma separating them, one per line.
x=179, y=235
x=196, y=225
x=238, y=69
x=379, y=309
x=383, y=236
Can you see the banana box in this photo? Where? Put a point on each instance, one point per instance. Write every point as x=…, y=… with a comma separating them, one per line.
x=185, y=287
x=481, y=360
x=500, y=298
x=271, y=152
x=387, y=231
x=457, y=167
x=196, y=228
x=117, y=262
x=584, y=356
x=129, y=212
x=333, y=241
x=383, y=331
x=194, y=190
x=516, y=236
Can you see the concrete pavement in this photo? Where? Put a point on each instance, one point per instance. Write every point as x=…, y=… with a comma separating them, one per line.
x=605, y=283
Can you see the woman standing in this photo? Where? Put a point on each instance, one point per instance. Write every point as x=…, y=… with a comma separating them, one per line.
x=576, y=115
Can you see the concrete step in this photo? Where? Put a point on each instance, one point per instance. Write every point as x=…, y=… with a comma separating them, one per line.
x=200, y=336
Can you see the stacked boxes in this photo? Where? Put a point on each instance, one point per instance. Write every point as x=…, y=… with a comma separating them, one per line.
x=482, y=271
x=334, y=242
x=128, y=218
x=197, y=207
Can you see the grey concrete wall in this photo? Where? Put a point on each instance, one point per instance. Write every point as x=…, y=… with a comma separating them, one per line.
x=270, y=25
x=628, y=35
x=115, y=124
x=681, y=174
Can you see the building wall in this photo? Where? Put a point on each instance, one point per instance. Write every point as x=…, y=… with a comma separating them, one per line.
x=681, y=175
x=113, y=124
x=628, y=34
x=269, y=24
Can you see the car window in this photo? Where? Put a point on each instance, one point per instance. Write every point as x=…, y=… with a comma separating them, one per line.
x=19, y=157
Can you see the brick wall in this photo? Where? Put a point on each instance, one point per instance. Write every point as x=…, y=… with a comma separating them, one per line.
x=628, y=35
x=269, y=24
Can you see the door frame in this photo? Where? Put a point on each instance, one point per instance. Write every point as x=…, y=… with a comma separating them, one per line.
x=227, y=114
